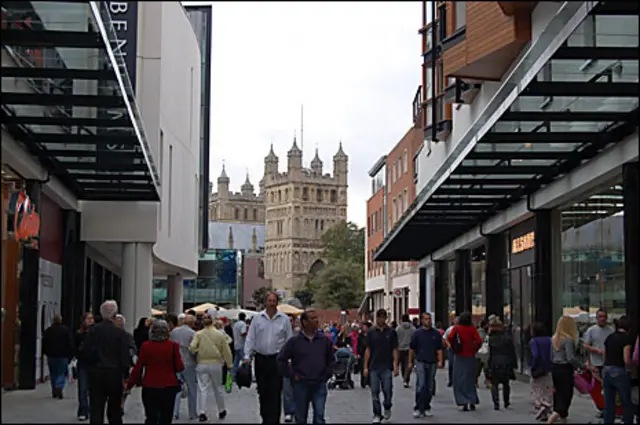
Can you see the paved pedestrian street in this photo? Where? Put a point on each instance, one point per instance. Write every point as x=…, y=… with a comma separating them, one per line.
x=343, y=406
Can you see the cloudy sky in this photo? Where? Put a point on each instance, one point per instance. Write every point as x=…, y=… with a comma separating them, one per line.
x=354, y=66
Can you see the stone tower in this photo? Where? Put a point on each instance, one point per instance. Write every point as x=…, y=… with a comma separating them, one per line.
x=244, y=207
x=300, y=205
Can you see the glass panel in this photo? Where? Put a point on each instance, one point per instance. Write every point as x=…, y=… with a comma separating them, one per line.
x=526, y=147
x=516, y=312
x=526, y=278
x=593, y=257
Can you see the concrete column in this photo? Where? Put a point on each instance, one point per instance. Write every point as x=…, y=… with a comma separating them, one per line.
x=630, y=187
x=546, y=286
x=463, y=281
x=424, y=291
x=496, y=263
x=137, y=282
x=441, y=301
x=175, y=301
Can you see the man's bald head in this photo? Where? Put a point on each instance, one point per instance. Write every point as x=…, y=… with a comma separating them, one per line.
x=189, y=320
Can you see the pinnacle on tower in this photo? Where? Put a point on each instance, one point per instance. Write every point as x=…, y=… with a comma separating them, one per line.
x=223, y=175
x=340, y=154
x=316, y=163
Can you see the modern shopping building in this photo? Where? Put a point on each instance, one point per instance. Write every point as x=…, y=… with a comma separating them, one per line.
x=100, y=154
x=528, y=182
x=393, y=286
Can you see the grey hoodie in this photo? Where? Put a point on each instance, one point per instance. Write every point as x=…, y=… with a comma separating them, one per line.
x=405, y=331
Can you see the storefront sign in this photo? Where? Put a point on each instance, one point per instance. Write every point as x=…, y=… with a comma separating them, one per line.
x=523, y=243
x=23, y=221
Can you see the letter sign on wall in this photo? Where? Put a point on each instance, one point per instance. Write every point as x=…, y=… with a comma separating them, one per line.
x=523, y=243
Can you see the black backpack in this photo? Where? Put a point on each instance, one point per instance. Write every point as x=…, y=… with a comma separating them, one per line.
x=244, y=376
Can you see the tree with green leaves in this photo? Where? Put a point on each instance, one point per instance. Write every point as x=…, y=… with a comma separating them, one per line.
x=305, y=296
x=340, y=284
x=259, y=297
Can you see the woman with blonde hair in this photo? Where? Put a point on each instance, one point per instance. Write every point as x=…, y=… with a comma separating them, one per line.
x=563, y=359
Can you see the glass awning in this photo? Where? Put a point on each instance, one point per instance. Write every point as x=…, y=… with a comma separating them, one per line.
x=67, y=99
x=582, y=100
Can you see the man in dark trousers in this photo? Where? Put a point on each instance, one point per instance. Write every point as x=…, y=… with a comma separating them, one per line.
x=362, y=348
x=268, y=333
x=307, y=360
x=57, y=345
x=106, y=352
x=381, y=360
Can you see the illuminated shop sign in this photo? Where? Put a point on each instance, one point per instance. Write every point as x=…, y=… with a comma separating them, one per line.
x=523, y=243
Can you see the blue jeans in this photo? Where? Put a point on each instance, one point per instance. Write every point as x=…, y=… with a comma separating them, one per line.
x=616, y=380
x=58, y=370
x=381, y=380
x=305, y=393
x=83, y=391
x=190, y=379
x=426, y=375
x=238, y=355
x=288, y=401
x=450, y=360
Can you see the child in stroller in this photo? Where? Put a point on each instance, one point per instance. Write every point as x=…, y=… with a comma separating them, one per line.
x=343, y=368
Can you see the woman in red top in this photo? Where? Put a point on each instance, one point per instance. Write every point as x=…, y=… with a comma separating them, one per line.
x=465, y=341
x=157, y=370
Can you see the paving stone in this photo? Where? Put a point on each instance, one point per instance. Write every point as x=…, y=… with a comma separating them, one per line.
x=343, y=406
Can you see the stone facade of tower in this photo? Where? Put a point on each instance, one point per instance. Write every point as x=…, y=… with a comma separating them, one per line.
x=301, y=204
x=245, y=206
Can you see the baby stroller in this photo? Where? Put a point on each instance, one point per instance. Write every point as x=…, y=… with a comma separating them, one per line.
x=342, y=370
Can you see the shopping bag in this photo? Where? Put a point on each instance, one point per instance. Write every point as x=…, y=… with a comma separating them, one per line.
x=228, y=383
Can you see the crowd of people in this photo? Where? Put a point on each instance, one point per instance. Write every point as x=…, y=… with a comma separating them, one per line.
x=294, y=360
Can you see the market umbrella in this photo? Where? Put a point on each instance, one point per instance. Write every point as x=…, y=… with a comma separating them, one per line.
x=232, y=314
x=202, y=308
x=155, y=312
x=289, y=309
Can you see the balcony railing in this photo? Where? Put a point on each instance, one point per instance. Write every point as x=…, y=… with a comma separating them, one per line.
x=417, y=106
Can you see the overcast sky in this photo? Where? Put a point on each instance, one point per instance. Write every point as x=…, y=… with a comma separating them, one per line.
x=354, y=66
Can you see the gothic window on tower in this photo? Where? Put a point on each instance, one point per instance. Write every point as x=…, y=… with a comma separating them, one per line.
x=319, y=195
x=237, y=214
x=305, y=193
x=334, y=196
x=255, y=214
x=279, y=196
x=246, y=214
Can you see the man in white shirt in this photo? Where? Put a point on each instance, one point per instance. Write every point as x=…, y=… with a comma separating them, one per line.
x=268, y=333
x=594, y=340
x=239, y=336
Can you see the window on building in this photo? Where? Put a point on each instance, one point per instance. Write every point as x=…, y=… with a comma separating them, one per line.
x=394, y=173
x=406, y=199
x=399, y=206
x=236, y=214
x=460, y=14
x=279, y=196
x=334, y=196
x=321, y=225
x=442, y=22
x=318, y=195
x=255, y=214
x=405, y=161
x=246, y=214
x=305, y=193
x=393, y=212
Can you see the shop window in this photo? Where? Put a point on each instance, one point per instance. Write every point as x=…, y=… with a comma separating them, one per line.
x=593, y=259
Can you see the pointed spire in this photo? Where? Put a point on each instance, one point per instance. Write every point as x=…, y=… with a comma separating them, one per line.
x=271, y=156
x=230, y=239
x=295, y=150
x=254, y=241
x=316, y=163
x=340, y=154
x=247, y=187
x=223, y=175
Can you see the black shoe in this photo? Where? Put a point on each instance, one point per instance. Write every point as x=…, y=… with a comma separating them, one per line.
x=222, y=414
x=496, y=407
x=203, y=418
x=506, y=405
x=465, y=408
x=449, y=384
x=472, y=407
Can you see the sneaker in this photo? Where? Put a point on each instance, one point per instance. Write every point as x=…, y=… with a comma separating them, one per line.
x=288, y=418
x=203, y=417
x=428, y=413
x=387, y=414
x=222, y=414
x=376, y=420
x=417, y=414
x=82, y=418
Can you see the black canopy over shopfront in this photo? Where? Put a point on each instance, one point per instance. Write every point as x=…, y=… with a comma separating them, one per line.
x=583, y=100
x=67, y=98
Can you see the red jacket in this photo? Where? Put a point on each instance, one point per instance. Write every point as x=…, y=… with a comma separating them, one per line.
x=159, y=362
x=469, y=337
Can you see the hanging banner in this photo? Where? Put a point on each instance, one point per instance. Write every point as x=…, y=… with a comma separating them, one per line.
x=23, y=221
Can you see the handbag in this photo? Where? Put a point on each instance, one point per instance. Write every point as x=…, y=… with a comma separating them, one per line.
x=483, y=352
x=456, y=344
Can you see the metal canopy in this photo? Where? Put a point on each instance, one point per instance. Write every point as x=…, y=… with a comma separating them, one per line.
x=63, y=100
x=582, y=101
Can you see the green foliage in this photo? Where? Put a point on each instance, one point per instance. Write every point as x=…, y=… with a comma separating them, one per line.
x=259, y=297
x=339, y=285
x=344, y=241
x=305, y=296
